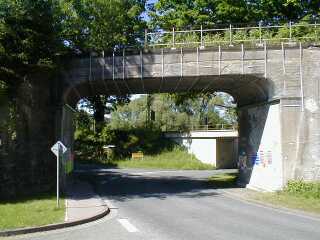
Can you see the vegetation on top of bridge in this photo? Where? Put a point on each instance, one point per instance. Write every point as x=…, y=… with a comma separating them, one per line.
x=289, y=33
x=230, y=22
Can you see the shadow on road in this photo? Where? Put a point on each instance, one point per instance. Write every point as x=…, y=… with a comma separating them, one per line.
x=122, y=186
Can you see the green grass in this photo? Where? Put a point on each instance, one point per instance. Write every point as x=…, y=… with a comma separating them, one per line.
x=288, y=200
x=298, y=195
x=225, y=180
x=176, y=159
x=31, y=212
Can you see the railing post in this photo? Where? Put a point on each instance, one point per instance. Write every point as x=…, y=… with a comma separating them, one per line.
x=181, y=62
x=265, y=60
x=201, y=40
x=123, y=64
x=198, y=70
x=301, y=78
x=242, y=59
x=283, y=58
x=113, y=60
x=284, y=68
x=146, y=38
x=290, y=31
x=173, y=39
x=141, y=69
x=104, y=65
x=230, y=36
x=260, y=32
x=162, y=69
x=219, y=60
x=315, y=31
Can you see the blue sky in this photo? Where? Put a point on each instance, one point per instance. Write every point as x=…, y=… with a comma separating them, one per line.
x=145, y=15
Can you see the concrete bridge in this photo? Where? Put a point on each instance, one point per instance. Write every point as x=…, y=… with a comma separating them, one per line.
x=276, y=89
x=216, y=147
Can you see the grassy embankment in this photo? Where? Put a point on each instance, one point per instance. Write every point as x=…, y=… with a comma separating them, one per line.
x=175, y=159
x=36, y=211
x=225, y=180
x=299, y=195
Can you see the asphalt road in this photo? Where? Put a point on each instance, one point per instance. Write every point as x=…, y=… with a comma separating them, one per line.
x=180, y=205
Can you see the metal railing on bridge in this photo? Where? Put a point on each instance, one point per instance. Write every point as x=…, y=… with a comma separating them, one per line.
x=289, y=33
x=198, y=127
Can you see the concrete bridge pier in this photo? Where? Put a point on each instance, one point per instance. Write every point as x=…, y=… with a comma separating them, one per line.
x=30, y=166
x=260, y=153
x=278, y=141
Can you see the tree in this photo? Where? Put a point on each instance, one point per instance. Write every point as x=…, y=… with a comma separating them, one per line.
x=36, y=35
x=174, y=112
x=101, y=105
x=286, y=10
x=30, y=38
x=98, y=25
x=166, y=14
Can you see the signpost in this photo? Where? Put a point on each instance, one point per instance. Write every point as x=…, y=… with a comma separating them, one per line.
x=58, y=148
x=106, y=148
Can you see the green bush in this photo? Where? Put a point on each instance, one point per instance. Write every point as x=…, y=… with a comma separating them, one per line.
x=176, y=158
x=305, y=189
x=89, y=145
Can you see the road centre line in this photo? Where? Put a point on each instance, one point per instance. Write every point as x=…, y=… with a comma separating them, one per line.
x=127, y=225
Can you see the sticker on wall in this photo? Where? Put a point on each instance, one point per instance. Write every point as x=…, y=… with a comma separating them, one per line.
x=255, y=159
x=261, y=158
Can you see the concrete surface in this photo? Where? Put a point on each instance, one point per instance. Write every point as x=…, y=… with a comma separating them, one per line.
x=216, y=147
x=175, y=205
x=82, y=202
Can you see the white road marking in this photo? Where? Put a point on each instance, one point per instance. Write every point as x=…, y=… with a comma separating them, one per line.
x=127, y=225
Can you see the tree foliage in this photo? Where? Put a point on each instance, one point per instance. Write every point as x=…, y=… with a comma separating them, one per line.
x=97, y=25
x=175, y=112
x=166, y=14
x=39, y=35
x=30, y=37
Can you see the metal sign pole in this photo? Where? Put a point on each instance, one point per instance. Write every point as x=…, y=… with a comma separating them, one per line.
x=58, y=155
x=56, y=148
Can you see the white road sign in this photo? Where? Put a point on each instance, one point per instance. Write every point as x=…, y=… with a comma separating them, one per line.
x=56, y=146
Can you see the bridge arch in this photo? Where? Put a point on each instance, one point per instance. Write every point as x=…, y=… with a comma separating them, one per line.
x=268, y=83
x=169, y=71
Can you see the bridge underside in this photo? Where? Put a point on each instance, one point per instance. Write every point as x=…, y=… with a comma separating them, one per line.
x=245, y=89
